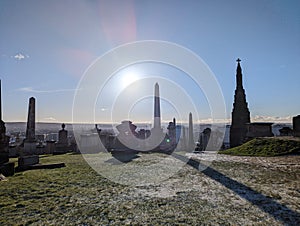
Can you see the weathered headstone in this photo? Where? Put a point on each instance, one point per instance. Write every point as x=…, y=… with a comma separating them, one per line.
x=62, y=146
x=50, y=147
x=204, y=139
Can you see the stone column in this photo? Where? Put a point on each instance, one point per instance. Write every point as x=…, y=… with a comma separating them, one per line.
x=28, y=157
x=30, y=129
x=191, y=144
x=6, y=168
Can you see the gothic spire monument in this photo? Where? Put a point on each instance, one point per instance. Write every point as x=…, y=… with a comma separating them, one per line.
x=240, y=113
x=157, y=120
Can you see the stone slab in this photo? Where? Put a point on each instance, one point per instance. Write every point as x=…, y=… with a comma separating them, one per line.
x=28, y=160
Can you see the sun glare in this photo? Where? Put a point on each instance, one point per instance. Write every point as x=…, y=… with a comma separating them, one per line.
x=128, y=78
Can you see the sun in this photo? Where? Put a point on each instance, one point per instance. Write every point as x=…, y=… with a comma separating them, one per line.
x=127, y=78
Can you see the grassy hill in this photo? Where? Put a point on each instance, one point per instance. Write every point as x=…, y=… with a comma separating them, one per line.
x=265, y=147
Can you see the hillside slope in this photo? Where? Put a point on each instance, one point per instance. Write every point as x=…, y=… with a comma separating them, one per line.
x=265, y=147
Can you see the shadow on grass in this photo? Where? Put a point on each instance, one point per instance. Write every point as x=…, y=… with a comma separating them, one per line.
x=266, y=204
x=116, y=161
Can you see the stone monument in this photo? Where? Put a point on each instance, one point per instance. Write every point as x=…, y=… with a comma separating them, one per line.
x=240, y=113
x=203, y=139
x=30, y=141
x=6, y=168
x=124, y=144
x=157, y=135
x=259, y=129
x=62, y=145
x=28, y=157
x=296, y=126
x=172, y=131
x=191, y=143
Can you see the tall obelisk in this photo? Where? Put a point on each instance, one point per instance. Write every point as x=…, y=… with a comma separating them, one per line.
x=191, y=143
x=4, y=140
x=240, y=112
x=30, y=141
x=157, y=120
x=157, y=135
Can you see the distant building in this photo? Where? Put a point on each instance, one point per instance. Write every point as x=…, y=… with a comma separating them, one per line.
x=240, y=113
x=296, y=126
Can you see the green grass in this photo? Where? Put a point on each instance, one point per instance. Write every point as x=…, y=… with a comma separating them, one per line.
x=265, y=147
x=77, y=195
x=28, y=197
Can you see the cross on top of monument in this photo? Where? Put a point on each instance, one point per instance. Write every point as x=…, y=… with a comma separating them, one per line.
x=238, y=60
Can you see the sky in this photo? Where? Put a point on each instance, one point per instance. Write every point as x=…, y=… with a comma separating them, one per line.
x=47, y=46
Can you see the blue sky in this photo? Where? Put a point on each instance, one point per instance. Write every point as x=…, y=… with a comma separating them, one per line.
x=45, y=47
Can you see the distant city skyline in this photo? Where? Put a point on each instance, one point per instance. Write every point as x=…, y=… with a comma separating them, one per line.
x=46, y=46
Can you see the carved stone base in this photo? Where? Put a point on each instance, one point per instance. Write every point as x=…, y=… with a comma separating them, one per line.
x=29, y=148
x=8, y=169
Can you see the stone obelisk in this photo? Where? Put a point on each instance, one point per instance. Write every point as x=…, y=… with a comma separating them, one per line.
x=30, y=141
x=240, y=112
x=157, y=120
x=6, y=168
x=191, y=143
x=4, y=140
x=157, y=136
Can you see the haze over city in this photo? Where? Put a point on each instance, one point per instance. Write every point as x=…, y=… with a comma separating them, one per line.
x=46, y=46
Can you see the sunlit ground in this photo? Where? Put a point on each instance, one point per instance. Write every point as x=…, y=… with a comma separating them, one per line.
x=76, y=194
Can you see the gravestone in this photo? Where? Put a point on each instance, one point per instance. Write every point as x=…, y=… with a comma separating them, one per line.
x=62, y=146
x=203, y=139
x=50, y=147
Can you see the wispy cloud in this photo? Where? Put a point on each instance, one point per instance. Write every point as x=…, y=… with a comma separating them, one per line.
x=256, y=118
x=274, y=119
x=31, y=90
x=20, y=56
x=50, y=119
